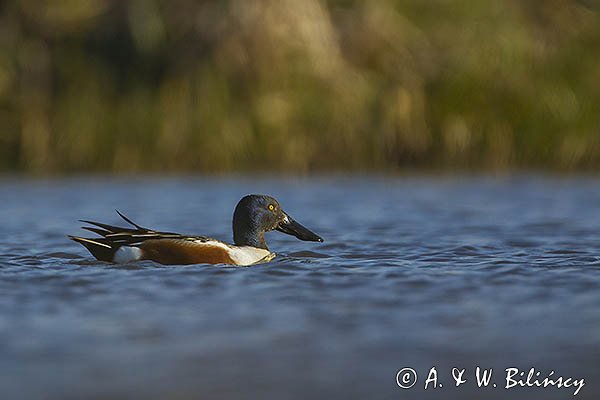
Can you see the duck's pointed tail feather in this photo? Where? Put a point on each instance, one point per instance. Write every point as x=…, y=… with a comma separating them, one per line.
x=131, y=222
x=106, y=229
x=100, y=248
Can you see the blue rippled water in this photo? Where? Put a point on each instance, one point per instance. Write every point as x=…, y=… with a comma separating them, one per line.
x=414, y=272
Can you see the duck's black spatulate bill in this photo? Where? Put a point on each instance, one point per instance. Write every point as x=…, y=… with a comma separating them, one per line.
x=291, y=227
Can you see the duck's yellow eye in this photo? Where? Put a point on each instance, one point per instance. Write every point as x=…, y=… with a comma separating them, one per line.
x=271, y=207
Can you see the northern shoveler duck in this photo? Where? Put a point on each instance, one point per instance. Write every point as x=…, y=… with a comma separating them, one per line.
x=253, y=216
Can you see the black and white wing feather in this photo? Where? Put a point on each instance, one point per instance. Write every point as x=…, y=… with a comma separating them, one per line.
x=121, y=236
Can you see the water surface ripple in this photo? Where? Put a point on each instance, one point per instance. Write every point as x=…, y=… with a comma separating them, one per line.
x=415, y=271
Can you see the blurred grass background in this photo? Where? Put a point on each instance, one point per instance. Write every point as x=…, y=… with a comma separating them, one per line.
x=289, y=85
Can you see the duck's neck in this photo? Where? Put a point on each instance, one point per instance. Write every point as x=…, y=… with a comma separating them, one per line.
x=244, y=235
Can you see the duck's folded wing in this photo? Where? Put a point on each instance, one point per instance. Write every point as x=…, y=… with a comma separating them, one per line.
x=119, y=244
x=133, y=237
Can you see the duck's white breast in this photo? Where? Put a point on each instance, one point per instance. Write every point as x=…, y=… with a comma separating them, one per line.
x=247, y=255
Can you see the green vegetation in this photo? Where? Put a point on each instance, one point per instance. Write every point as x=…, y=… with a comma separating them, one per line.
x=285, y=85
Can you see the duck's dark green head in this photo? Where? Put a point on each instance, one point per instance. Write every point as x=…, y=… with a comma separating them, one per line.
x=256, y=214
